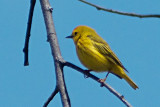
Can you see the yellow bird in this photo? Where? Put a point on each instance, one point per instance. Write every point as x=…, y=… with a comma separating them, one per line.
x=95, y=54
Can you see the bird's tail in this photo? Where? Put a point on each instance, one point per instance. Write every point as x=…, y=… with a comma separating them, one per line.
x=131, y=83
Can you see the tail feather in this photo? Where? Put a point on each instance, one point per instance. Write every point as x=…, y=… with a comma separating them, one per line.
x=130, y=82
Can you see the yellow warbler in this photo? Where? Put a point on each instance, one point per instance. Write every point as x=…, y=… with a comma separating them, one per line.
x=95, y=54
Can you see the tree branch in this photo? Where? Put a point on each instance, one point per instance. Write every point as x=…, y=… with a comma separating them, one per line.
x=51, y=97
x=113, y=91
x=58, y=60
x=25, y=49
x=52, y=39
x=122, y=13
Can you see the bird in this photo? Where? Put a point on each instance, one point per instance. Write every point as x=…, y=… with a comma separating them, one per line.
x=96, y=55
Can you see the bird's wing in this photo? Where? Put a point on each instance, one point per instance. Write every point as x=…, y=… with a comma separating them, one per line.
x=102, y=46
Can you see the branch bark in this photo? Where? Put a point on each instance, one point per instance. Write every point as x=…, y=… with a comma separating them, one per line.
x=28, y=34
x=122, y=13
x=52, y=39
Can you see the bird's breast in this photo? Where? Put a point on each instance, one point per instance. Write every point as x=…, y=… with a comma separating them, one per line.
x=90, y=57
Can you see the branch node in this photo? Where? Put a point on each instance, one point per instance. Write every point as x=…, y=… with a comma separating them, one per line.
x=98, y=8
x=48, y=36
x=86, y=73
x=86, y=76
x=102, y=84
x=50, y=9
x=122, y=97
x=60, y=60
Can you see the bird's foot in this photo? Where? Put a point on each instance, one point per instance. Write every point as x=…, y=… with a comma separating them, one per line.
x=102, y=81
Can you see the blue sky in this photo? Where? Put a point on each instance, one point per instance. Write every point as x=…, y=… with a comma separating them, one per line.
x=135, y=41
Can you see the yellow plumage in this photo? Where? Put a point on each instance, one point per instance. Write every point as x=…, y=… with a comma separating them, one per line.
x=95, y=54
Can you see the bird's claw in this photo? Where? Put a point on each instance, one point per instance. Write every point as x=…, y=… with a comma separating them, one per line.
x=102, y=81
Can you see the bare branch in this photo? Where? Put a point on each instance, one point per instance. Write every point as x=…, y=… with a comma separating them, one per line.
x=51, y=97
x=121, y=97
x=52, y=39
x=58, y=60
x=122, y=13
x=25, y=49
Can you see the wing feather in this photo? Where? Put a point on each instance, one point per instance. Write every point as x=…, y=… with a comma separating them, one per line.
x=104, y=49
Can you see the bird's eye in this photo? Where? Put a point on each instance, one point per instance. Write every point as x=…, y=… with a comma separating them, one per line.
x=75, y=33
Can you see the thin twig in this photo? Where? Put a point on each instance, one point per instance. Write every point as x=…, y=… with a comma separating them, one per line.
x=51, y=97
x=121, y=97
x=123, y=13
x=25, y=49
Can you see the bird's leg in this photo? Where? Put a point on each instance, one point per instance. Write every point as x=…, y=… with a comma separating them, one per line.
x=88, y=71
x=103, y=80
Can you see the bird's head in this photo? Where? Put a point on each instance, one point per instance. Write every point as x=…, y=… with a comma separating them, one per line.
x=79, y=32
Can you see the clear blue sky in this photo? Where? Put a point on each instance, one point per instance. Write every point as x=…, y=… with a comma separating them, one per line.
x=135, y=41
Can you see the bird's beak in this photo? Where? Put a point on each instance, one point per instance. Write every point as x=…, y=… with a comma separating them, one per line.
x=69, y=36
